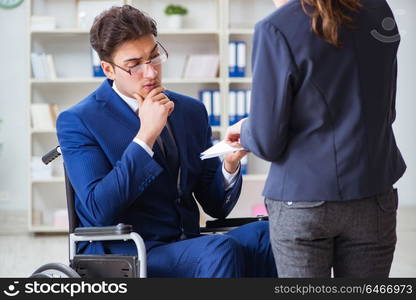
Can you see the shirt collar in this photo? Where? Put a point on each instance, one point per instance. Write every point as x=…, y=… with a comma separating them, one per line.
x=131, y=102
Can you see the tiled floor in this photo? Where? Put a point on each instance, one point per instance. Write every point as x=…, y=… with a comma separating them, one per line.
x=20, y=255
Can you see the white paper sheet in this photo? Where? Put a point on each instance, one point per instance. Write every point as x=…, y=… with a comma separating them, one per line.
x=219, y=149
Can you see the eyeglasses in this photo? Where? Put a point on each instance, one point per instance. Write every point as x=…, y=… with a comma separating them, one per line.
x=160, y=56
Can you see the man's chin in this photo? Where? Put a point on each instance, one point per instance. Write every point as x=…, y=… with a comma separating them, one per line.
x=144, y=91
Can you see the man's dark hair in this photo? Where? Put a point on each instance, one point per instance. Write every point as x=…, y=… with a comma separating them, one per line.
x=117, y=25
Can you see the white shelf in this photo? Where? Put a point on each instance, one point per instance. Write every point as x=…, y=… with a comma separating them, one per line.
x=75, y=31
x=190, y=80
x=47, y=229
x=49, y=180
x=40, y=131
x=93, y=80
x=241, y=31
x=68, y=80
x=60, y=31
x=239, y=80
x=188, y=32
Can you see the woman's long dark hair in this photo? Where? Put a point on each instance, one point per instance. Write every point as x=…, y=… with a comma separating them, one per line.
x=327, y=16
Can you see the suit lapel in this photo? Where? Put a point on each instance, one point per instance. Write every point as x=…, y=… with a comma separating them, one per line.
x=116, y=107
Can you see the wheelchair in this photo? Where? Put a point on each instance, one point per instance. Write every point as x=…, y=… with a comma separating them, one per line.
x=111, y=265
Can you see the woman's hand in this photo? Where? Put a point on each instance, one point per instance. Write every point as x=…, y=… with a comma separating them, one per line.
x=232, y=137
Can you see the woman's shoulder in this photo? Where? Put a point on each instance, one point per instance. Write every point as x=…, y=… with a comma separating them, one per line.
x=288, y=17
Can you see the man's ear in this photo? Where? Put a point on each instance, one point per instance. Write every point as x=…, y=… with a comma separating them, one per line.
x=108, y=70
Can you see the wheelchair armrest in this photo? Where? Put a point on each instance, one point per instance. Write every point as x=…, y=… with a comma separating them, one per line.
x=120, y=232
x=230, y=223
x=118, y=229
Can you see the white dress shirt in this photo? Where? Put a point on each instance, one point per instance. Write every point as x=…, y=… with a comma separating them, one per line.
x=229, y=178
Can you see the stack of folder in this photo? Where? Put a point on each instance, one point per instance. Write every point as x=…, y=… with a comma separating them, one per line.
x=239, y=108
x=239, y=105
x=212, y=102
x=237, y=59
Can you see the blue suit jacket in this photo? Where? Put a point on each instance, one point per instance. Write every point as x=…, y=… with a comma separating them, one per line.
x=323, y=115
x=115, y=179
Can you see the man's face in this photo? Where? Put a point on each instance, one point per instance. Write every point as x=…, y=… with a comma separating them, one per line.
x=129, y=55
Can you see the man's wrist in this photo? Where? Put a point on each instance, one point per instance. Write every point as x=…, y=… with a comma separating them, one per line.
x=229, y=179
x=144, y=146
x=146, y=138
x=231, y=167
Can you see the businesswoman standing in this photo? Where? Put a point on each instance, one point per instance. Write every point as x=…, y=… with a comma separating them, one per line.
x=323, y=105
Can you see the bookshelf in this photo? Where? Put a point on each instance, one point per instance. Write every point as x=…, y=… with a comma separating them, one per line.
x=208, y=28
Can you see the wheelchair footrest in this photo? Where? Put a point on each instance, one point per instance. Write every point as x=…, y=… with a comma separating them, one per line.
x=106, y=266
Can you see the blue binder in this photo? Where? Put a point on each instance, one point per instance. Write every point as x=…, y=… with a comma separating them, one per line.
x=232, y=59
x=237, y=58
x=205, y=97
x=232, y=109
x=241, y=59
x=216, y=108
x=248, y=102
x=241, y=104
x=97, y=71
x=244, y=165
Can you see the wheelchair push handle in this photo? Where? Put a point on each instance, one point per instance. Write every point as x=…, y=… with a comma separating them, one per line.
x=51, y=155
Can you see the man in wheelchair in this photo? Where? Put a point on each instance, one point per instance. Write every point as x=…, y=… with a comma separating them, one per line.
x=132, y=153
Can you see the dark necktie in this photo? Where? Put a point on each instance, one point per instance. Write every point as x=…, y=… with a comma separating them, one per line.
x=170, y=151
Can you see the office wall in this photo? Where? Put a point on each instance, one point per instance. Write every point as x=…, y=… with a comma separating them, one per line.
x=13, y=90
x=13, y=97
x=405, y=125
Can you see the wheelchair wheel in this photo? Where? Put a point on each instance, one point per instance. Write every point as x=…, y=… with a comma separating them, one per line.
x=55, y=270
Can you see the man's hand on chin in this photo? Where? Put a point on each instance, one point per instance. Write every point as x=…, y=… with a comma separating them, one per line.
x=161, y=96
x=153, y=114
